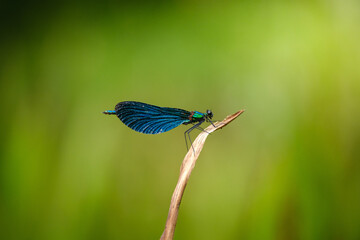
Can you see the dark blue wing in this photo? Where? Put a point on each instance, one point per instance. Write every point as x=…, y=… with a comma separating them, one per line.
x=150, y=119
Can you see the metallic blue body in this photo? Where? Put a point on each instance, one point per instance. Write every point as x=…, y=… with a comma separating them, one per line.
x=198, y=115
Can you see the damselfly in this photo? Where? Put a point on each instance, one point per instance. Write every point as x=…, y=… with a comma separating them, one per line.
x=150, y=119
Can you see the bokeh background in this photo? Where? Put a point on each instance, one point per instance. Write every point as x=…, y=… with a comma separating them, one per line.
x=288, y=168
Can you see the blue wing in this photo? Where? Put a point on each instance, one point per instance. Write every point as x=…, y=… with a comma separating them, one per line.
x=150, y=119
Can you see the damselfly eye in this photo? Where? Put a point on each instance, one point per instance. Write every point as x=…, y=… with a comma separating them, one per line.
x=209, y=114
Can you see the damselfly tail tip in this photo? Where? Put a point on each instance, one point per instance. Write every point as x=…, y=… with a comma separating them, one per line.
x=109, y=112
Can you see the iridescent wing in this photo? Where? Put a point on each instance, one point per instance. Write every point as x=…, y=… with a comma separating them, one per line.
x=150, y=119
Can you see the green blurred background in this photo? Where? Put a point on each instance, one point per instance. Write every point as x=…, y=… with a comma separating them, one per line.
x=286, y=169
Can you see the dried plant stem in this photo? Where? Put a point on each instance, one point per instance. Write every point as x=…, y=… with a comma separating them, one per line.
x=185, y=171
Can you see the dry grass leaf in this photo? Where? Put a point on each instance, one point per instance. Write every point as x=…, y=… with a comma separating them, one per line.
x=187, y=166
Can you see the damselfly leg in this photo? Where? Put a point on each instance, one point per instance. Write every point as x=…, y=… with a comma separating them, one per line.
x=187, y=132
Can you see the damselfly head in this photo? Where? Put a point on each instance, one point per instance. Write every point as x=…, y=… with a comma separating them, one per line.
x=209, y=114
